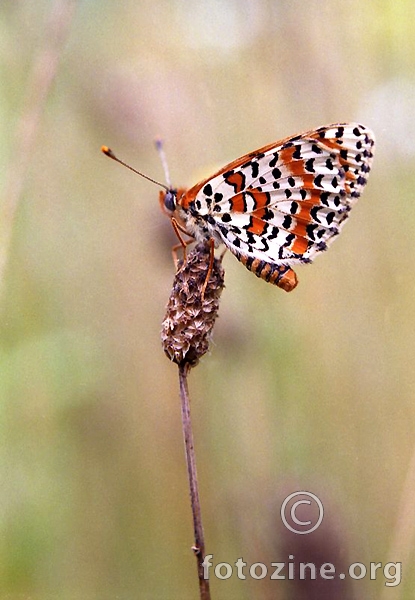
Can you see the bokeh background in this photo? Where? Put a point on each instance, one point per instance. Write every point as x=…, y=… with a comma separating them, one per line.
x=311, y=390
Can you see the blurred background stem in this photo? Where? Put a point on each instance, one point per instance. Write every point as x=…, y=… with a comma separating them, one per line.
x=43, y=71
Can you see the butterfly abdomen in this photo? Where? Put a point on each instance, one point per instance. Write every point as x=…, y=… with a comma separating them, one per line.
x=281, y=275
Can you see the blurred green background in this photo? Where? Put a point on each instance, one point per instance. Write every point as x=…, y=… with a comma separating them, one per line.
x=311, y=390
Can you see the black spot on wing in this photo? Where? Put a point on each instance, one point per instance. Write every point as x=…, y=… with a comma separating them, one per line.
x=309, y=165
x=324, y=198
x=273, y=160
x=274, y=233
x=287, y=222
x=316, y=149
x=297, y=152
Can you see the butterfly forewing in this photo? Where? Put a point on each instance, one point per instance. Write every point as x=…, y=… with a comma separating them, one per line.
x=285, y=203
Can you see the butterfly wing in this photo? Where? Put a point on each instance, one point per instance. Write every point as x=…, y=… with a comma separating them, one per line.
x=286, y=202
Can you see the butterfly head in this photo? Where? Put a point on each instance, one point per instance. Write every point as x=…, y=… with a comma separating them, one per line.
x=169, y=200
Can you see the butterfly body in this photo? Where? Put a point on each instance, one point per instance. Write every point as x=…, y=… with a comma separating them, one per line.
x=282, y=204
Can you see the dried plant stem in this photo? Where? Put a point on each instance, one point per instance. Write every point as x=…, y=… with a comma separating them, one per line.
x=199, y=546
x=44, y=69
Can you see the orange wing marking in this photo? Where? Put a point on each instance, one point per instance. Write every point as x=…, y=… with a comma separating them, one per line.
x=300, y=245
x=237, y=203
x=237, y=180
x=257, y=226
x=261, y=198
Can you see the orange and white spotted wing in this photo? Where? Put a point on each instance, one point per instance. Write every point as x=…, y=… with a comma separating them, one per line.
x=285, y=203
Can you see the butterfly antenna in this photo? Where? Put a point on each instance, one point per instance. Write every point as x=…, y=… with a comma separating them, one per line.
x=162, y=154
x=111, y=154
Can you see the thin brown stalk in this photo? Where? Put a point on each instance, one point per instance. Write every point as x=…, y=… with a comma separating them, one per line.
x=43, y=71
x=199, y=545
x=186, y=333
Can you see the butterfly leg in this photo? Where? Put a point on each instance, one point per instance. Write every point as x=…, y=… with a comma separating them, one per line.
x=210, y=266
x=182, y=242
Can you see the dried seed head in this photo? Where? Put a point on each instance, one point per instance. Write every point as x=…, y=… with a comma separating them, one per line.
x=188, y=324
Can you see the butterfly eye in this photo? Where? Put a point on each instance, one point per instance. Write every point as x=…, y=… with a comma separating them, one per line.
x=170, y=201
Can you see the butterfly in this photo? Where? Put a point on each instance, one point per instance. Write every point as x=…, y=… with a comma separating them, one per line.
x=280, y=205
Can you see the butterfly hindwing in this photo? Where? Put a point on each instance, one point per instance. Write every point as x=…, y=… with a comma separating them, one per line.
x=304, y=187
x=286, y=202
